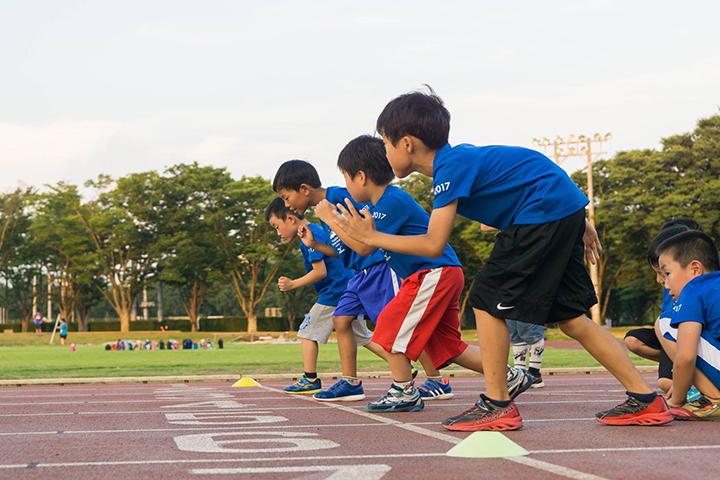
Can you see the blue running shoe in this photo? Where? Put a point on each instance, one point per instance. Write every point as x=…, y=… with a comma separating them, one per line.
x=693, y=395
x=518, y=381
x=342, y=391
x=304, y=386
x=397, y=400
x=432, y=389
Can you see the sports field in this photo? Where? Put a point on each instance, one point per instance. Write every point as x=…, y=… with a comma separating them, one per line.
x=26, y=356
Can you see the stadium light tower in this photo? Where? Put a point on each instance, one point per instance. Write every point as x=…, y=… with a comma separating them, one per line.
x=580, y=146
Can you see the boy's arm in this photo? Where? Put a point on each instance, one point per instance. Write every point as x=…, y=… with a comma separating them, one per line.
x=307, y=237
x=328, y=213
x=684, y=362
x=361, y=227
x=318, y=272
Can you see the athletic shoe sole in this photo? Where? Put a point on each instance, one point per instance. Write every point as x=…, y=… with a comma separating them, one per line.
x=442, y=396
x=304, y=392
x=648, y=419
x=346, y=398
x=413, y=408
x=499, y=425
x=538, y=385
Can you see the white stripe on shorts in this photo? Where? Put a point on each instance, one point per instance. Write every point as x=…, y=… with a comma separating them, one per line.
x=417, y=310
x=395, y=281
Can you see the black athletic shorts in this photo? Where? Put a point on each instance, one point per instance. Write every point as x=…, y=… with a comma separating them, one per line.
x=536, y=273
x=647, y=336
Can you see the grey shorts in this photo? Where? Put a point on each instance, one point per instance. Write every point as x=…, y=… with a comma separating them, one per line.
x=318, y=326
x=521, y=332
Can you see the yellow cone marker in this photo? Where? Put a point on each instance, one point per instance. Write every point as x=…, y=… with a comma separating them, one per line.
x=487, y=445
x=245, y=382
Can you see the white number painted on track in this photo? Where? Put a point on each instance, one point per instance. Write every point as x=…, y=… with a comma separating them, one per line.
x=237, y=442
x=339, y=472
x=221, y=418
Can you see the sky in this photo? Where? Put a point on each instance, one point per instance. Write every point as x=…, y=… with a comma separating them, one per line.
x=111, y=87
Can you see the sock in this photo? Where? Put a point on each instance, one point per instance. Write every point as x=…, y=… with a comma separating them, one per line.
x=643, y=397
x=536, y=354
x=437, y=378
x=403, y=385
x=354, y=381
x=520, y=351
x=496, y=403
x=310, y=375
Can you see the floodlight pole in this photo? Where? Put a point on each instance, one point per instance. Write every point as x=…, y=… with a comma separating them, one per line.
x=576, y=147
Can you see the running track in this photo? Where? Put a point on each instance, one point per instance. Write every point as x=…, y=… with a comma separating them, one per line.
x=201, y=430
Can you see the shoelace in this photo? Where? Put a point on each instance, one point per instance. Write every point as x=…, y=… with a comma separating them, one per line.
x=630, y=405
x=337, y=386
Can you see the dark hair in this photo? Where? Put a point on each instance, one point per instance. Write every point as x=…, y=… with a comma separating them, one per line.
x=664, y=234
x=278, y=209
x=692, y=245
x=366, y=153
x=419, y=114
x=686, y=221
x=293, y=173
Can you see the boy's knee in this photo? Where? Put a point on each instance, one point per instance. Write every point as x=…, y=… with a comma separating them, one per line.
x=342, y=324
x=633, y=344
x=574, y=326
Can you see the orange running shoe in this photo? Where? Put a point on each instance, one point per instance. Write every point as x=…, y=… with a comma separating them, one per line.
x=485, y=416
x=635, y=412
x=703, y=408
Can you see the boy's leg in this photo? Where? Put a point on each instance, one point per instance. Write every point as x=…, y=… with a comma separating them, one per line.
x=494, y=341
x=315, y=328
x=310, y=355
x=643, y=343
x=347, y=348
x=607, y=350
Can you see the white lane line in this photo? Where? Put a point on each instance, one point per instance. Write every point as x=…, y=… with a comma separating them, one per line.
x=262, y=427
x=530, y=462
x=217, y=460
x=628, y=449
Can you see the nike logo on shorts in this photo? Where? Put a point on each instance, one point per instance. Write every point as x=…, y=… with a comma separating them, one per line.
x=500, y=306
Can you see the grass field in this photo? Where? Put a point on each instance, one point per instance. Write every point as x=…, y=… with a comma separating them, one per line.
x=24, y=356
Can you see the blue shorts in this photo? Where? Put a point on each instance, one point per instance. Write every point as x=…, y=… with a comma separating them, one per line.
x=368, y=292
x=521, y=332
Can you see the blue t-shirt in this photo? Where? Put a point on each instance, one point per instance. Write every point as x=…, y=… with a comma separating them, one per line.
x=502, y=186
x=667, y=303
x=397, y=213
x=699, y=302
x=333, y=285
x=63, y=329
x=351, y=259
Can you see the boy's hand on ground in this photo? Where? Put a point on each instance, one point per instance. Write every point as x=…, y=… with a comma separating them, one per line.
x=306, y=236
x=285, y=284
x=359, y=225
x=592, y=244
x=324, y=210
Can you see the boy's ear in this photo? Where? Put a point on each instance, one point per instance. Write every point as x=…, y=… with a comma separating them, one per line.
x=407, y=143
x=304, y=189
x=697, y=268
x=363, y=177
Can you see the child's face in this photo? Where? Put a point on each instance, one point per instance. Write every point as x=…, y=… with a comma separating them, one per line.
x=677, y=276
x=659, y=275
x=286, y=229
x=296, y=200
x=398, y=156
x=357, y=186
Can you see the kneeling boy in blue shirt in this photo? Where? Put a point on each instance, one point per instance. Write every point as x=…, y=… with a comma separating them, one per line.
x=690, y=330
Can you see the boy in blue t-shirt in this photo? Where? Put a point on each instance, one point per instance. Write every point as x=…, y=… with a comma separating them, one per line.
x=329, y=278
x=691, y=333
x=535, y=272
x=371, y=287
x=423, y=316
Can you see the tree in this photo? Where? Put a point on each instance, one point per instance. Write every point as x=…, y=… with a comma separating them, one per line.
x=253, y=254
x=189, y=251
x=123, y=225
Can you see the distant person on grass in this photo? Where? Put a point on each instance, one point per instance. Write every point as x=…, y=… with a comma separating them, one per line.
x=38, y=321
x=63, y=331
x=329, y=278
x=690, y=333
x=536, y=271
x=643, y=341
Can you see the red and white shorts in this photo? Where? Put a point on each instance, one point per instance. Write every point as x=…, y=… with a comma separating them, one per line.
x=424, y=316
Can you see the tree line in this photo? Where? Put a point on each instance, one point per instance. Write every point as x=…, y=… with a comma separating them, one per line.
x=200, y=231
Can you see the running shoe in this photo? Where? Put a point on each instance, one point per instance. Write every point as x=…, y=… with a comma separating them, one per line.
x=635, y=412
x=484, y=415
x=537, y=381
x=701, y=409
x=693, y=394
x=432, y=389
x=304, y=386
x=397, y=399
x=342, y=391
x=518, y=381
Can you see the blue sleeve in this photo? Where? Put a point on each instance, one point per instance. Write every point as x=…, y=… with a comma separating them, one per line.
x=451, y=183
x=688, y=308
x=393, y=212
x=320, y=236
